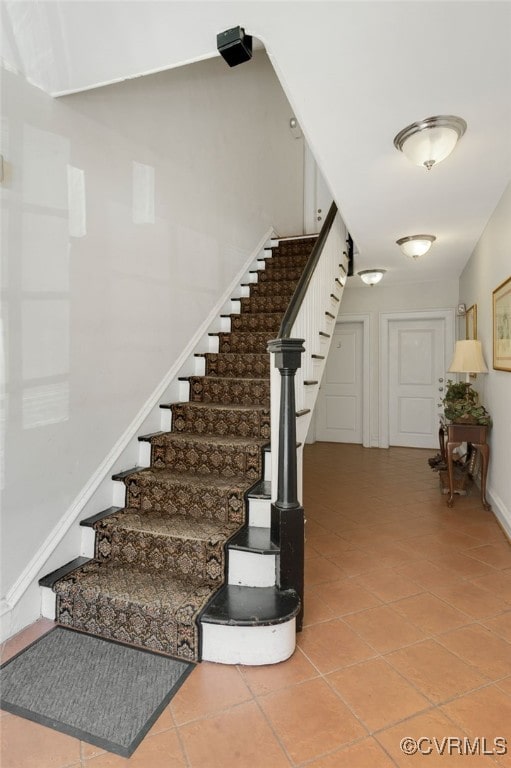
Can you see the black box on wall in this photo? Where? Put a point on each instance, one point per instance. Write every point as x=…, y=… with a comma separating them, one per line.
x=234, y=45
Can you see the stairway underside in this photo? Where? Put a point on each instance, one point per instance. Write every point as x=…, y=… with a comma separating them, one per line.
x=159, y=560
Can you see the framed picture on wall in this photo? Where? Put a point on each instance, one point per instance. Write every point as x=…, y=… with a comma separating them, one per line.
x=502, y=326
x=471, y=322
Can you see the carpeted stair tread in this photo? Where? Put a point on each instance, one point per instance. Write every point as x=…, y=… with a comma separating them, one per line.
x=139, y=585
x=279, y=274
x=207, y=440
x=198, y=495
x=152, y=609
x=273, y=288
x=257, y=304
x=244, y=341
x=222, y=407
x=200, y=480
x=240, y=365
x=279, y=260
x=178, y=526
x=188, y=547
x=295, y=246
x=225, y=390
x=252, y=321
x=208, y=454
x=222, y=420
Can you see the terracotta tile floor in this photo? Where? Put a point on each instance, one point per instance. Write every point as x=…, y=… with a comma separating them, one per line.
x=407, y=634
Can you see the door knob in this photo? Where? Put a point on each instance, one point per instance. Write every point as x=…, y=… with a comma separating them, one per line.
x=440, y=389
x=440, y=379
x=319, y=218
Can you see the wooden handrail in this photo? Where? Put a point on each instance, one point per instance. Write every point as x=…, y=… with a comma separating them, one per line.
x=303, y=284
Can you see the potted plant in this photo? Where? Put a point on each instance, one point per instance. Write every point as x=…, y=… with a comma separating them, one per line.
x=461, y=405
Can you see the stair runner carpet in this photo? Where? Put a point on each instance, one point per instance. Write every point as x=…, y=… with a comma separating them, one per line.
x=160, y=559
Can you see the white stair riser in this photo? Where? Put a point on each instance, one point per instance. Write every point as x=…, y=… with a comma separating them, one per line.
x=252, y=646
x=251, y=569
x=184, y=391
x=259, y=513
x=88, y=541
x=48, y=603
x=267, y=465
x=144, y=454
x=119, y=493
x=166, y=420
x=213, y=344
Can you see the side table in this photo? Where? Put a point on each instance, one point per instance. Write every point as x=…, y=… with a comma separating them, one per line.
x=477, y=436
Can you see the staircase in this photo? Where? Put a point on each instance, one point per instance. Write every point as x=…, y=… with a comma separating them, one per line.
x=187, y=566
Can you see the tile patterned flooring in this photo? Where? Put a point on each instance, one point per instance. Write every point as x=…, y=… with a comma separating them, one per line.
x=407, y=634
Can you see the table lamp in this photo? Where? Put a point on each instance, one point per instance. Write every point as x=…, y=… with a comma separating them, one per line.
x=468, y=358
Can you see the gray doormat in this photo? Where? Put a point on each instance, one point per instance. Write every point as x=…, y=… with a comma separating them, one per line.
x=96, y=690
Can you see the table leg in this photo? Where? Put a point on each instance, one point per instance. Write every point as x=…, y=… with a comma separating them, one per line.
x=441, y=442
x=450, y=470
x=484, y=449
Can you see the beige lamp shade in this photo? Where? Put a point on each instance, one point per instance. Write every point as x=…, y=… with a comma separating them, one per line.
x=468, y=358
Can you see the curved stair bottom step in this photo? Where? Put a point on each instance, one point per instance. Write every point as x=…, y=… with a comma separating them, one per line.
x=249, y=625
x=251, y=646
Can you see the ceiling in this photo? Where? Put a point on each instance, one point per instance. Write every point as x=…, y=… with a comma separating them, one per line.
x=355, y=74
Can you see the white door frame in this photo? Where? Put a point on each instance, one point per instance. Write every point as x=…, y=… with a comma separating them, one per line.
x=366, y=383
x=312, y=188
x=448, y=315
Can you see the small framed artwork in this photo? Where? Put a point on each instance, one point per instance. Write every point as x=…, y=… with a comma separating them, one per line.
x=502, y=326
x=471, y=322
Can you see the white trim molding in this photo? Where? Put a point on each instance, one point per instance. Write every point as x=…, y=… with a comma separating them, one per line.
x=366, y=369
x=502, y=514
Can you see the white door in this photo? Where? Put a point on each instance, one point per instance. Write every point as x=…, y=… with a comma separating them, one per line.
x=416, y=381
x=339, y=415
x=317, y=198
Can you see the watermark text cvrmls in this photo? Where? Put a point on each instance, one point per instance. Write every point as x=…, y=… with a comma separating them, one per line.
x=454, y=745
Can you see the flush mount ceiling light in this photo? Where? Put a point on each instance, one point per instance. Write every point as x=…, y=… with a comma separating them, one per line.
x=371, y=276
x=416, y=245
x=430, y=140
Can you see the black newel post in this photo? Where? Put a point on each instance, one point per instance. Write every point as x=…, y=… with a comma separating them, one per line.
x=287, y=518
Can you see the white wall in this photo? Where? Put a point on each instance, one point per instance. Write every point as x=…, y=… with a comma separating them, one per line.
x=126, y=213
x=373, y=300
x=488, y=267
x=350, y=70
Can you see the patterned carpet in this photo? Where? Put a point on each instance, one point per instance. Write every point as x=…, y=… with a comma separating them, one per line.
x=159, y=560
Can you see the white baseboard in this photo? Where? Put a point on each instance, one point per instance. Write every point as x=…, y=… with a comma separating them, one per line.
x=14, y=616
x=500, y=511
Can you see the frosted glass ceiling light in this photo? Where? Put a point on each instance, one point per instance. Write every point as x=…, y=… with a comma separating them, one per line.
x=416, y=245
x=430, y=140
x=371, y=276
